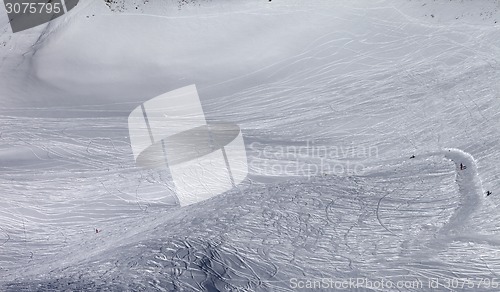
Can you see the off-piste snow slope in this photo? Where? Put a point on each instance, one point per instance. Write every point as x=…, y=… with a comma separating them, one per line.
x=395, y=94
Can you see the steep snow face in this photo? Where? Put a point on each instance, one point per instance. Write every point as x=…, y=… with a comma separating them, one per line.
x=267, y=234
x=381, y=225
x=341, y=77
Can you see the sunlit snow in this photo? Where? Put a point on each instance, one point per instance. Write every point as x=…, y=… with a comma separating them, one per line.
x=387, y=97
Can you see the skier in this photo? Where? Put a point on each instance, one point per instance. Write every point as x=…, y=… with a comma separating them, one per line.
x=462, y=167
x=413, y=156
x=488, y=193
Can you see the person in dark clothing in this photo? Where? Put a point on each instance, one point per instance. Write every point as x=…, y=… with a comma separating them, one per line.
x=488, y=193
x=462, y=167
x=413, y=156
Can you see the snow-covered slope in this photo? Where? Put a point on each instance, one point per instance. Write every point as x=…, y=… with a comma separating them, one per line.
x=405, y=78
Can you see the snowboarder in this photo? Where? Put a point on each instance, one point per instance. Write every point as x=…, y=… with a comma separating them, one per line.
x=488, y=193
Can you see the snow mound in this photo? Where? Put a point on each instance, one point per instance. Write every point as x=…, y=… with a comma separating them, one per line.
x=261, y=236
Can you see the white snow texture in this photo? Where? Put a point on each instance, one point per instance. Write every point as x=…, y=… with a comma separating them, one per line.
x=390, y=98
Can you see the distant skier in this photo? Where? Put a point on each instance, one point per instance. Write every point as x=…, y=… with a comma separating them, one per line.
x=413, y=156
x=462, y=167
x=488, y=193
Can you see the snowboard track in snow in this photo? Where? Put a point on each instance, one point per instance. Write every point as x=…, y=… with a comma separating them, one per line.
x=470, y=189
x=346, y=84
x=208, y=261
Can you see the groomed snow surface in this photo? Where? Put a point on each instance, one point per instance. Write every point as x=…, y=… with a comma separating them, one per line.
x=396, y=95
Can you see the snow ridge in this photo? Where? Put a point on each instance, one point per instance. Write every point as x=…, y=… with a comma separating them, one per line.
x=470, y=187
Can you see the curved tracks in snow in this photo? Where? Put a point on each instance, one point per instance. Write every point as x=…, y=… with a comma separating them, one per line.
x=470, y=188
x=470, y=191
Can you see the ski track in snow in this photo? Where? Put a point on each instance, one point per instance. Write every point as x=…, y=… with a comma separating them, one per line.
x=245, y=258
x=471, y=194
x=403, y=219
x=470, y=187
